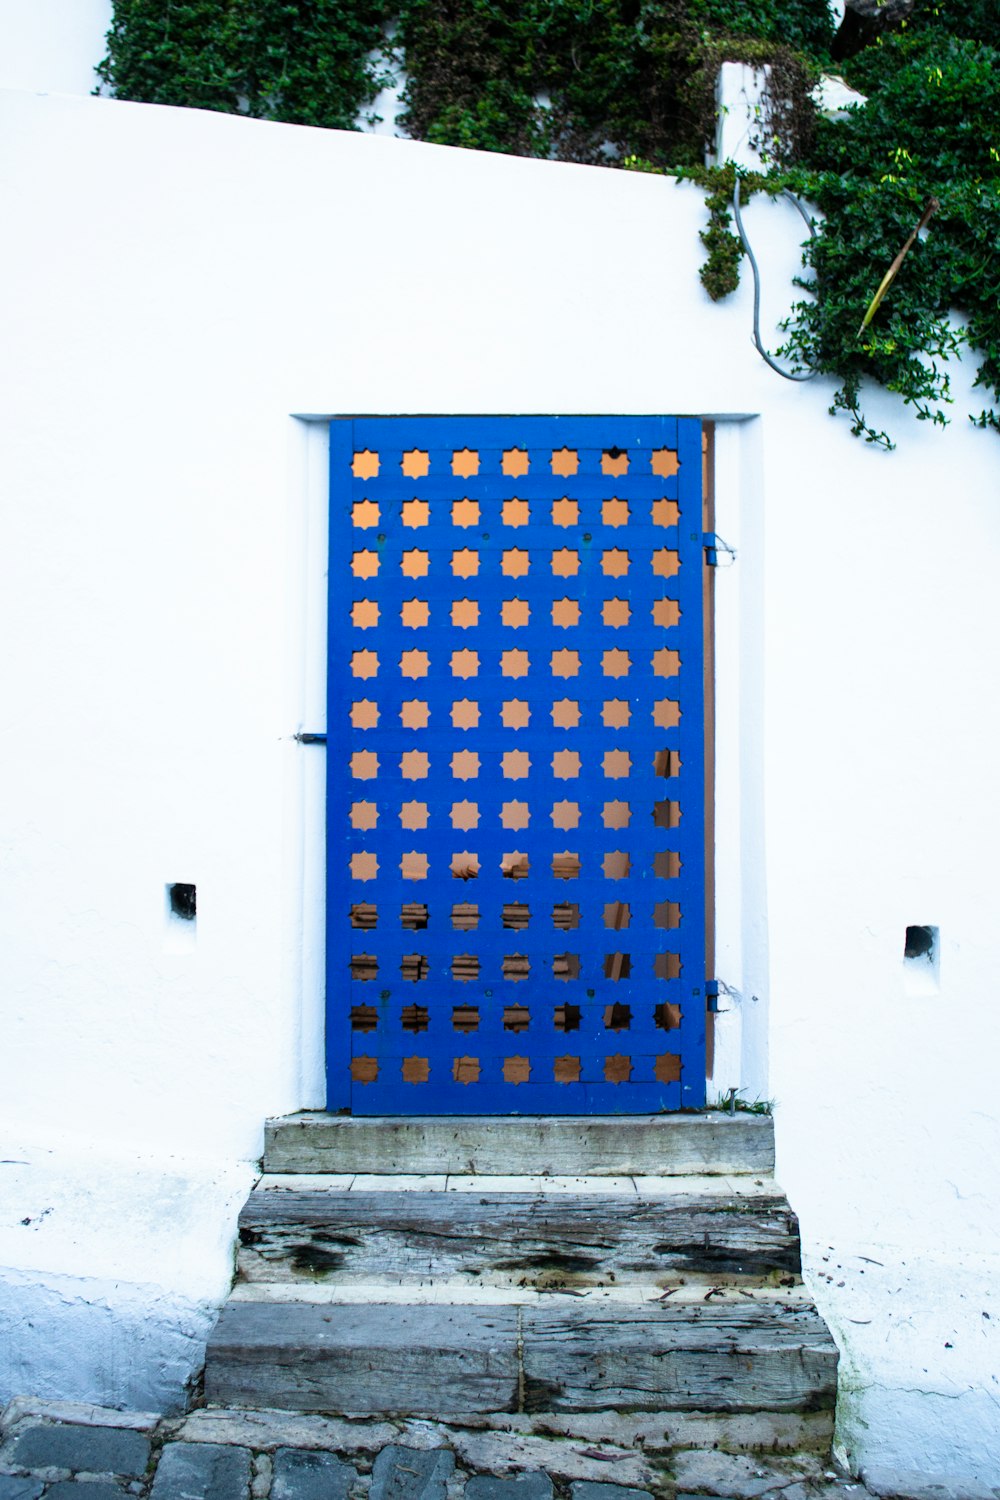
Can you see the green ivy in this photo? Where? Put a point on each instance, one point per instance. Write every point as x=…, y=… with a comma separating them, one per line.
x=932, y=130
x=585, y=80
x=579, y=80
x=631, y=83
x=720, y=271
x=303, y=61
x=803, y=27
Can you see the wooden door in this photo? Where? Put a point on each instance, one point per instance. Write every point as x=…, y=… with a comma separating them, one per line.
x=516, y=864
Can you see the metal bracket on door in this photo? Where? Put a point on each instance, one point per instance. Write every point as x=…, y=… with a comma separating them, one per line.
x=713, y=545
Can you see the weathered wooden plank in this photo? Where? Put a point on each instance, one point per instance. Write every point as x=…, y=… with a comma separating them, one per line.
x=417, y=1361
x=434, y=1361
x=600, y=1145
x=560, y=1240
x=657, y=1357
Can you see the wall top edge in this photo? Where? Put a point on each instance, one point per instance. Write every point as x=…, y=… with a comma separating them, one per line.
x=548, y=411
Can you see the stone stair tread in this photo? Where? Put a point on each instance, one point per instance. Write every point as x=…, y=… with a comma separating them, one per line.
x=429, y=1360
x=606, y=1145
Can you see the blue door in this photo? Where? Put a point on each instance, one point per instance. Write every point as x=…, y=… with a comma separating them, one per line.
x=515, y=797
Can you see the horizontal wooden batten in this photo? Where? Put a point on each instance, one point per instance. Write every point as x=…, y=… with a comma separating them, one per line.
x=617, y=1145
x=722, y=1357
x=513, y=1238
x=421, y=1361
x=433, y=1361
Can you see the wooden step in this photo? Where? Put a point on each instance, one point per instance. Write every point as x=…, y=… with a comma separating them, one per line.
x=486, y=1238
x=396, y=1267
x=752, y=1356
x=599, y=1145
x=437, y=1360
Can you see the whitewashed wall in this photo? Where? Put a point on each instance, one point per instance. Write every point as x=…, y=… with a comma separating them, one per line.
x=188, y=287
x=52, y=46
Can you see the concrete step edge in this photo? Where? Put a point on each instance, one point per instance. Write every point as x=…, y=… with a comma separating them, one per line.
x=484, y=1183
x=385, y=1293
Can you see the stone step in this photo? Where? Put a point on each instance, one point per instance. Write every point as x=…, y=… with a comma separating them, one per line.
x=317, y=1457
x=712, y=1142
x=533, y=1239
x=431, y=1360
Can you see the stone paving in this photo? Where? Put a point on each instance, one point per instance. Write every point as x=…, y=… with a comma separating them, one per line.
x=61, y=1451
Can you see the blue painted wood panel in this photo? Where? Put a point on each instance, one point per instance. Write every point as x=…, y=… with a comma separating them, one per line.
x=515, y=815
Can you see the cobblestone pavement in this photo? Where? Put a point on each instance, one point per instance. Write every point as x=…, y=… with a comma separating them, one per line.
x=61, y=1451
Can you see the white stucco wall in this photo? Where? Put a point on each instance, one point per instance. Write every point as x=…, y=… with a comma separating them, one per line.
x=52, y=46
x=185, y=284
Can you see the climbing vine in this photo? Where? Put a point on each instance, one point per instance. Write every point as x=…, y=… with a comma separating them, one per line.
x=631, y=83
x=595, y=81
x=308, y=62
x=928, y=138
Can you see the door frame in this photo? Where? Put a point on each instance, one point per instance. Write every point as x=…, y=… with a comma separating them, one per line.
x=740, y=926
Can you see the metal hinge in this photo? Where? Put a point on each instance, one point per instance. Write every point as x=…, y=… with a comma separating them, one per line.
x=713, y=544
x=311, y=739
x=712, y=996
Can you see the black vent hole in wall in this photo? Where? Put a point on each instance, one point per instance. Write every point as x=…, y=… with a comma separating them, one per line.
x=922, y=959
x=183, y=899
x=920, y=942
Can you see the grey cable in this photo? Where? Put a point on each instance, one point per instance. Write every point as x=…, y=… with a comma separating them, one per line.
x=787, y=375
